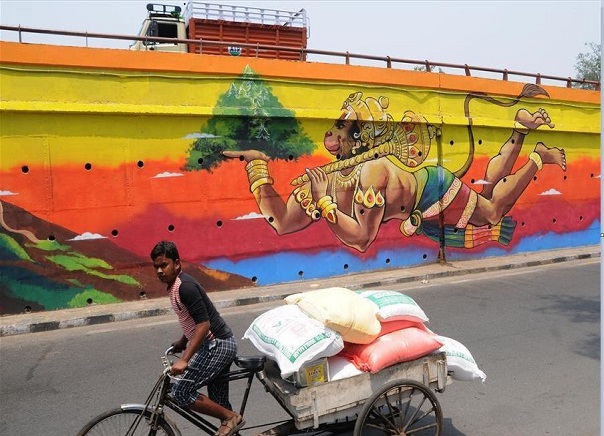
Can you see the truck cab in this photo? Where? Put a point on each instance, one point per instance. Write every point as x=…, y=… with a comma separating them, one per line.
x=209, y=28
x=163, y=21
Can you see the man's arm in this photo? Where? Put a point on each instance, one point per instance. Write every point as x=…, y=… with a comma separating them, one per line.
x=201, y=331
x=283, y=216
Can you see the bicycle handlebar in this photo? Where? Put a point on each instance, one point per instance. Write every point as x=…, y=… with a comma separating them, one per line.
x=165, y=360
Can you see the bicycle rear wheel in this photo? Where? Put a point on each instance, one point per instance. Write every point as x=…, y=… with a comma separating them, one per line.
x=121, y=422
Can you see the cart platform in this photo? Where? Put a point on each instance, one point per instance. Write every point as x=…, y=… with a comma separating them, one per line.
x=341, y=400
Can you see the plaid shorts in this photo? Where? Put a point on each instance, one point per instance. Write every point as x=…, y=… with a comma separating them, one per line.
x=213, y=358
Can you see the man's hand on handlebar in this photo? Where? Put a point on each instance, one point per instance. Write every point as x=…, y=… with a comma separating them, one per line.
x=180, y=345
x=179, y=367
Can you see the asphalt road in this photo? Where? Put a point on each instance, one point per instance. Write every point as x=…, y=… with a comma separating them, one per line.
x=535, y=332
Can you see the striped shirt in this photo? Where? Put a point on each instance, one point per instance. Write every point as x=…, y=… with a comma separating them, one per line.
x=192, y=306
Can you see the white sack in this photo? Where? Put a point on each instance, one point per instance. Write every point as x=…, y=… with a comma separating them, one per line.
x=395, y=306
x=460, y=362
x=291, y=338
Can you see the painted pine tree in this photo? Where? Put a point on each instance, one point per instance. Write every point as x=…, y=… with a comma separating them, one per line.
x=249, y=116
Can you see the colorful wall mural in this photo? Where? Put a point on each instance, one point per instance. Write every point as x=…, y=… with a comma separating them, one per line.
x=267, y=171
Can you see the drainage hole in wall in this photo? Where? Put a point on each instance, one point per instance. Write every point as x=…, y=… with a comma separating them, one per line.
x=140, y=164
x=219, y=223
x=25, y=169
x=88, y=166
x=301, y=273
x=114, y=232
x=142, y=295
x=171, y=228
x=254, y=279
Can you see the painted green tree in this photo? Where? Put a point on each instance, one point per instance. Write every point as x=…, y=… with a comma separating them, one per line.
x=248, y=116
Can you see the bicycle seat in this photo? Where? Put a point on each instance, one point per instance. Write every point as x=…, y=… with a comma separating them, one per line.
x=250, y=362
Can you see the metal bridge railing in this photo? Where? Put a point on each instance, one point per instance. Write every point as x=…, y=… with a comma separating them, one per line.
x=346, y=56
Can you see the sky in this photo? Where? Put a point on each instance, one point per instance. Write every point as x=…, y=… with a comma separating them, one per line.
x=530, y=36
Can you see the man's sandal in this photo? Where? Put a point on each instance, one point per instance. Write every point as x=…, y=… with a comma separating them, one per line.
x=232, y=425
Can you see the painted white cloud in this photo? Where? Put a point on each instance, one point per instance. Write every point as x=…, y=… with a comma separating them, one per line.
x=197, y=135
x=482, y=182
x=87, y=236
x=2, y=192
x=249, y=216
x=167, y=174
x=551, y=192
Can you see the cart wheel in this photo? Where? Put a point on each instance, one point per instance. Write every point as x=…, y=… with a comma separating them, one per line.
x=402, y=407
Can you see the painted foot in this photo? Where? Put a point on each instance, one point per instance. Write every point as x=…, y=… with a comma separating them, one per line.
x=551, y=155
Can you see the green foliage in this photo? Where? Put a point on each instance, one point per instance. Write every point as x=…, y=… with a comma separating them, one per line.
x=589, y=65
x=248, y=116
x=48, y=245
x=10, y=248
x=77, y=262
x=98, y=297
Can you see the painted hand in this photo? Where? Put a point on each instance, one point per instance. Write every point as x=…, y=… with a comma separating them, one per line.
x=318, y=182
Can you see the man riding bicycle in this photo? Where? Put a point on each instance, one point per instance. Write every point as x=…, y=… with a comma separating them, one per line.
x=207, y=344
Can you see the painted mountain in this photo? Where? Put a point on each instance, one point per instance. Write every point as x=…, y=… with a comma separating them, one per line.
x=64, y=271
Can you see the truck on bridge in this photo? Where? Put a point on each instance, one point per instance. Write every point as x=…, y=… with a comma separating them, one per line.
x=205, y=24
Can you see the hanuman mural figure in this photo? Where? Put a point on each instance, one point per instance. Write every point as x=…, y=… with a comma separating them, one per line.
x=374, y=180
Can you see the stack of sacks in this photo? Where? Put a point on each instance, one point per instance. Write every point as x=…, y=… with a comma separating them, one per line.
x=404, y=330
x=314, y=325
x=403, y=335
x=357, y=332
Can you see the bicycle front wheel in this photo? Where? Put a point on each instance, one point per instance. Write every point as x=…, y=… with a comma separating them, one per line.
x=125, y=422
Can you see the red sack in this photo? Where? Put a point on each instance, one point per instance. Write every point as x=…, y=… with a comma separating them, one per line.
x=399, y=346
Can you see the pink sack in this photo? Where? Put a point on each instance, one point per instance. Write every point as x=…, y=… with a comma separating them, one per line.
x=392, y=326
x=399, y=346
